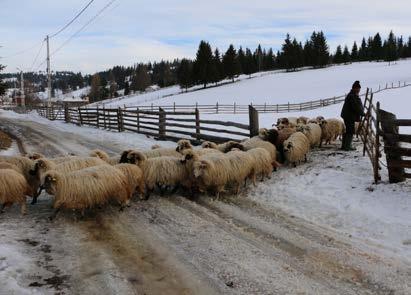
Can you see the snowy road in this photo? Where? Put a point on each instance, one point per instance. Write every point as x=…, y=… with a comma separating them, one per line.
x=171, y=245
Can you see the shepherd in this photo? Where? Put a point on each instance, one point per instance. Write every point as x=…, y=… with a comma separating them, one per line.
x=352, y=112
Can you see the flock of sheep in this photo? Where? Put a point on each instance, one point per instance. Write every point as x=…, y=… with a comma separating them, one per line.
x=78, y=182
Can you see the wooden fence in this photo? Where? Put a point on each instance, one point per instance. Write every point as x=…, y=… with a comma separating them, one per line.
x=379, y=123
x=160, y=124
x=397, y=146
x=368, y=131
x=261, y=108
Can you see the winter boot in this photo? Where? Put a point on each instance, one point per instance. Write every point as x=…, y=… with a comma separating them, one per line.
x=348, y=143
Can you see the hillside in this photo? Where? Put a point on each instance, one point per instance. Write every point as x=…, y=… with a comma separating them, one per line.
x=280, y=87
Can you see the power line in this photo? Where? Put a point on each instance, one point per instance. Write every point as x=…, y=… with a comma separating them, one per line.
x=37, y=56
x=84, y=26
x=70, y=22
x=77, y=32
x=22, y=51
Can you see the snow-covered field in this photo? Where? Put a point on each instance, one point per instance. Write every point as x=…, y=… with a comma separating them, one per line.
x=278, y=87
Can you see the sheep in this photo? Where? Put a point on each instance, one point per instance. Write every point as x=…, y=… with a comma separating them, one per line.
x=313, y=132
x=87, y=188
x=161, y=171
x=257, y=142
x=134, y=176
x=160, y=152
x=25, y=165
x=184, y=145
x=57, y=160
x=261, y=163
x=106, y=158
x=296, y=148
x=302, y=120
x=224, y=147
x=341, y=129
x=286, y=122
x=13, y=188
x=5, y=165
x=330, y=129
x=242, y=166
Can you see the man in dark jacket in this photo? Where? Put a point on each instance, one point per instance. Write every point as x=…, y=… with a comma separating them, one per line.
x=352, y=112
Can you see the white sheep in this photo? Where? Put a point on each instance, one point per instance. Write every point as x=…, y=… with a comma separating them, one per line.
x=134, y=176
x=13, y=187
x=87, y=188
x=286, y=122
x=296, y=148
x=302, y=120
x=257, y=142
x=313, y=132
x=114, y=160
x=331, y=129
x=161, y=171
x=261, y=163
x=25, y=165
x=223, y=147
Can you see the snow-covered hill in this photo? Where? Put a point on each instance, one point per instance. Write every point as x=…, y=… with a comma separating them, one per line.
x=280, y=87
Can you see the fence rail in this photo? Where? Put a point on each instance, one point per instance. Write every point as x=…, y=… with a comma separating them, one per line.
x=261, y=108
x=159, y=123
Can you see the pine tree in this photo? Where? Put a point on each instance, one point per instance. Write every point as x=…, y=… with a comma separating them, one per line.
x=141, y=79
x=217, y=69
x=354, y=52
x=269, y=60
x=126, y=88
x=338, y=56
x=241, y=59
x=363, y=51
x=96, y=89
x=203, y=65
x=258, y=58
x=390, y=49
x=249, y=66
x=185, y=74
x=113, y=85
x=308, y=53
x=230, y=63
x=346, y=55
x=400, y=47
x=377, y=52
x=321, y=50
x=2, y=85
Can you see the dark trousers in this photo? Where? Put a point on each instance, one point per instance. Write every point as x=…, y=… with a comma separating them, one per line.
x=349, y=126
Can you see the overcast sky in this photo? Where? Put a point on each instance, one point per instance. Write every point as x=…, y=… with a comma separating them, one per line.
x=131, y=31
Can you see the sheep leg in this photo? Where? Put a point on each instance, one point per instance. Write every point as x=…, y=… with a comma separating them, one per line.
x=305, y=158
x=23, y=208
x=295, y=164
x=174, y=190
x=54, y=215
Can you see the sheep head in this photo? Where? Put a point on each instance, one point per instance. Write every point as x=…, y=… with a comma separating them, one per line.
x=200, y=167
x=208, y=145
x=189, y=155
x=233, y=145
x=136, y=158
x=50, y=182
x=35, y=156
x=40, y=164
x=288, y=147
x=99, y=154
x=183, y=144
x=124, y=155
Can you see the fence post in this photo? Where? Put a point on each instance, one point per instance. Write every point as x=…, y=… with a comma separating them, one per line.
x=367, y=122
x=377, y=154
x=104, y=116
x=79, y=116
x=98, y=117
x=119, y=120
x=161, y=123
x=254, y=124
x=174, y=106
x=390, y=136
x=66, y=113
x=198, y=129
x=234, y=107
x=138, y=120
x=216, y=108
x=288, y=106
x=386, y=85
x=392, y=84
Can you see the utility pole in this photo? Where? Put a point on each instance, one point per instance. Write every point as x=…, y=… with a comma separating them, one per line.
x=22, y=96
x=48, y=73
